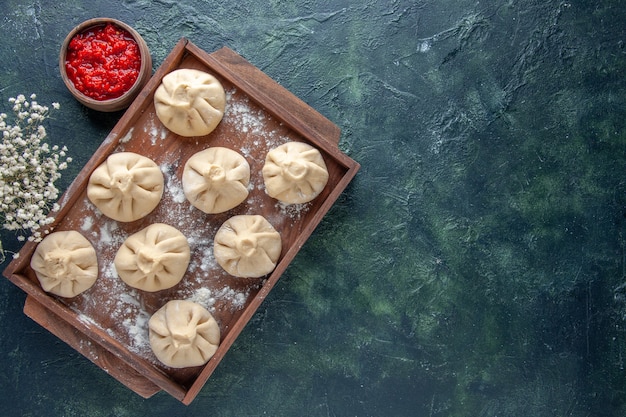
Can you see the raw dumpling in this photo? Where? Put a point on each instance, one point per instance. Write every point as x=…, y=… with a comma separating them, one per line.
x=65, y=263
x=190, y=102
x=294, y=173
x=182, y=333
x=216, y=179
x=247, y=246
x=153, y=259
x=126, y=187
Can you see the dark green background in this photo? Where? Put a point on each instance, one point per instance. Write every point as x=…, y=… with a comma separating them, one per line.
x=474, y=267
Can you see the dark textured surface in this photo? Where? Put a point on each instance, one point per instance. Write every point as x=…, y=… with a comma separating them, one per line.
x=475, y=266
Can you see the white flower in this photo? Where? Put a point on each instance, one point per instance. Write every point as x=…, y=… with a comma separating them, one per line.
x=29, y=166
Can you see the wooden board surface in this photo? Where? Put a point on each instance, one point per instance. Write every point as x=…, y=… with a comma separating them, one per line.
x=260, y=115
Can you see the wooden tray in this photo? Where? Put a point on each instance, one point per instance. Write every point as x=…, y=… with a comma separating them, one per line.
x=108, y=323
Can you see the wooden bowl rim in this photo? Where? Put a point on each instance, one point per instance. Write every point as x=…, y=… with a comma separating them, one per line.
x=125, y=99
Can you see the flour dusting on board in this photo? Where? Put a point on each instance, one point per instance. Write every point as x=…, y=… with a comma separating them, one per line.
x=155, y=130
x=295, y=211
x=173, y=185
x=254, y=122
x=138, y=332
x=128, y=136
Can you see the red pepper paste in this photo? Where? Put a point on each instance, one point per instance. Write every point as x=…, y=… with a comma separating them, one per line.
x=103, y=62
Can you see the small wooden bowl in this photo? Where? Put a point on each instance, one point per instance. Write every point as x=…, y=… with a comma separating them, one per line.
x=127, y=98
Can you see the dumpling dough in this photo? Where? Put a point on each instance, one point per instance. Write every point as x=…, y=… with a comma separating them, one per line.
x=183, y=333
x=126, y=187
x=65, y=263
x=247, y=246
x=294, y=173
x=153, y=259
x=216, y=179
x=190, y=102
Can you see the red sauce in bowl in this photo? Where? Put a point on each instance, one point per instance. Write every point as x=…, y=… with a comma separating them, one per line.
x=103, y=62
